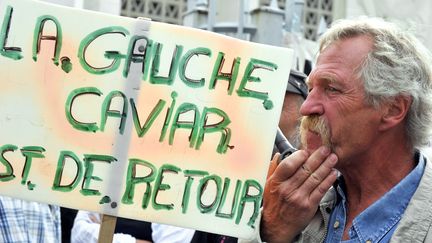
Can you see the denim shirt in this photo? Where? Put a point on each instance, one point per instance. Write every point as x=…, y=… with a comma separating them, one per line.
x=377, y=222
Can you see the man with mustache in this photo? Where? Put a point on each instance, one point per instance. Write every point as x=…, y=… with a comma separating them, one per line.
x=361, y=176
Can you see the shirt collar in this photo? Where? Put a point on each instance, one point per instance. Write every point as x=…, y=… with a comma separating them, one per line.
x=377, y=220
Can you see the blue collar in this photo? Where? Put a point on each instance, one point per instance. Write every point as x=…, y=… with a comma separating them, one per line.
x=377, y=222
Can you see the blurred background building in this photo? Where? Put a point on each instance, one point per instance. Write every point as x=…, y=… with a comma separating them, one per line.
x=291, y=23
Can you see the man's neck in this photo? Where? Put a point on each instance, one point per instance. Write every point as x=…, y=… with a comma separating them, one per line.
x=372, y=175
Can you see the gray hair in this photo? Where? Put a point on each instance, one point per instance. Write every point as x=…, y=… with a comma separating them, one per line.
x=398, y=65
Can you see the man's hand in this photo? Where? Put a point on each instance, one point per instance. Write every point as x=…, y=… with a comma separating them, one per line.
x=293, y=191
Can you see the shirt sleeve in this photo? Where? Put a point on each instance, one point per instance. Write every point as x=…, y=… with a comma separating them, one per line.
x=26, y=221
x=162, y=233
x=86, y=229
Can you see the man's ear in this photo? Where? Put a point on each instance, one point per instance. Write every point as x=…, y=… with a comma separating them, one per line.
x=395, y=111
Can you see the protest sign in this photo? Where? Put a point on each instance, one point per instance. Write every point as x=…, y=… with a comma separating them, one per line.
x=134, y=118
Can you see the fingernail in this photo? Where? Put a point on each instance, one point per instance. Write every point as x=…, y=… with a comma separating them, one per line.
x=325, y=150
x=333, y=159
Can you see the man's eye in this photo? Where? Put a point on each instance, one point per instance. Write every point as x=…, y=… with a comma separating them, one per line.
x=331, y=89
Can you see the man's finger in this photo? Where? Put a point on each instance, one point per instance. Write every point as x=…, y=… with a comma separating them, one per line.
x=318, y=193
x=288, y=166
x=320, y=174
x=307, y=168
x=273, y=164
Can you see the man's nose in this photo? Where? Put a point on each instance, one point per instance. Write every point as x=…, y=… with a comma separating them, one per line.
x=313, y=104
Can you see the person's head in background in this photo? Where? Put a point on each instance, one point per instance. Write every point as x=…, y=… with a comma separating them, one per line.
x=296, y=93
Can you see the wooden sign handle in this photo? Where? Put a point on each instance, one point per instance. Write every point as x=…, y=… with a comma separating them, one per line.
x=107, y=228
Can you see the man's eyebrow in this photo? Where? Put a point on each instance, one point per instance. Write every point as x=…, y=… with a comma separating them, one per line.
x=326, y=78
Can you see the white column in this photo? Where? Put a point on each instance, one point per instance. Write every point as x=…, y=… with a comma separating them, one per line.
x=69, y=3
x=241, y=20
x=196, y=14
x=268, y=21
x=106, y=6
x=211, y=15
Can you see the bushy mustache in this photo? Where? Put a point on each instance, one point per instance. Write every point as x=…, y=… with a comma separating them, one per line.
x=315, y=124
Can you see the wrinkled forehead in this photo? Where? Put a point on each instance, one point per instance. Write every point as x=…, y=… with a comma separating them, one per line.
x=342, y=59
x=353, y=49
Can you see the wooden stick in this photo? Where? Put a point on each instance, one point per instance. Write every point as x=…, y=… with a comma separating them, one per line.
x=107, y=228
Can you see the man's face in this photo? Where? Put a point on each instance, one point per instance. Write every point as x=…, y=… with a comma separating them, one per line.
x=337, y=102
